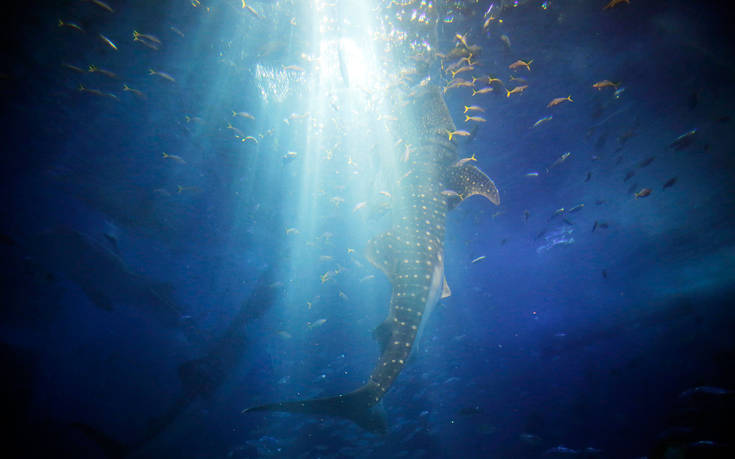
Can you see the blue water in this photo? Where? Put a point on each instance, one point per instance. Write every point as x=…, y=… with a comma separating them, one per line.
x=149, y=299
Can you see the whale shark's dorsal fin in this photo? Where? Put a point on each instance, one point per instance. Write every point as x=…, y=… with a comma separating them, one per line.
x=467, y=180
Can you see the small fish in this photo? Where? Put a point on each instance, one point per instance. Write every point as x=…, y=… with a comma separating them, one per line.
x=293, y=68
x=557, y=212
x=134, y=91
x=478, y=259
x=619, y=92
x=73, y=67
x=532, y=174
x=526, y=215
x=289, y=156
x=96, y=92
x=457, y=83
x=316, y=323
x=238, y=133
x=107, y=73
x=705, y=390
x=243, y=115
x=71, y=25
x=292, y=231
x=646, y=162
x=465, y=160
x=642, y=193
x=576, y=208
x=177, y=31
x=462, y=39
x=147, y=43
x=176, y=158
x=359, y=206
x=251, y=9
x=588, y=177
x=163, y=75
x=541, y=121
x=145, y=36
x=466, y=68
x=491, y=80
x=477, y=119
x=614, y=3
x=367, y=278
x=180, y=188
x=557, y=450
x=605, y=84
x=628, y=175
x=531, y=439
x=669, y=183
x=558, y=101
x=108, y=42
x=516, y=90
x=683, y=140
x=484, y=90
x=460, y=133
x=594, y=226
x=473, y=108
x=343, y=296
x=604, y=273
x=505, y=39
x=103, y=5
x=519, y=63
x=284, y=334
x=162, y=192
x=559, y=160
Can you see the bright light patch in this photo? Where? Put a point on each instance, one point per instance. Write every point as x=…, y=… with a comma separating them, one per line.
x=354, y=63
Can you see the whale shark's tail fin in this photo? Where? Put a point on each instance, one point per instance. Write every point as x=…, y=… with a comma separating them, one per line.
x=360, y=407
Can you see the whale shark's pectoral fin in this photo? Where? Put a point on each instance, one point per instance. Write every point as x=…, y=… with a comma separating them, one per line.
x=381, y=254
x=446, y=291
x=467, y=180
x=382, y=334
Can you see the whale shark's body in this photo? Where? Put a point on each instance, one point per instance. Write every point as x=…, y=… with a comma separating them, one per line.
x=431, y=182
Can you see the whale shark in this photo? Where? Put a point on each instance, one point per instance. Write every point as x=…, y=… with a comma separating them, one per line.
x=431, y=182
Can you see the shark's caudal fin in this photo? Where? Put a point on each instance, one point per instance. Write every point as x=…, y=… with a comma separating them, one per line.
x=359, y=407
